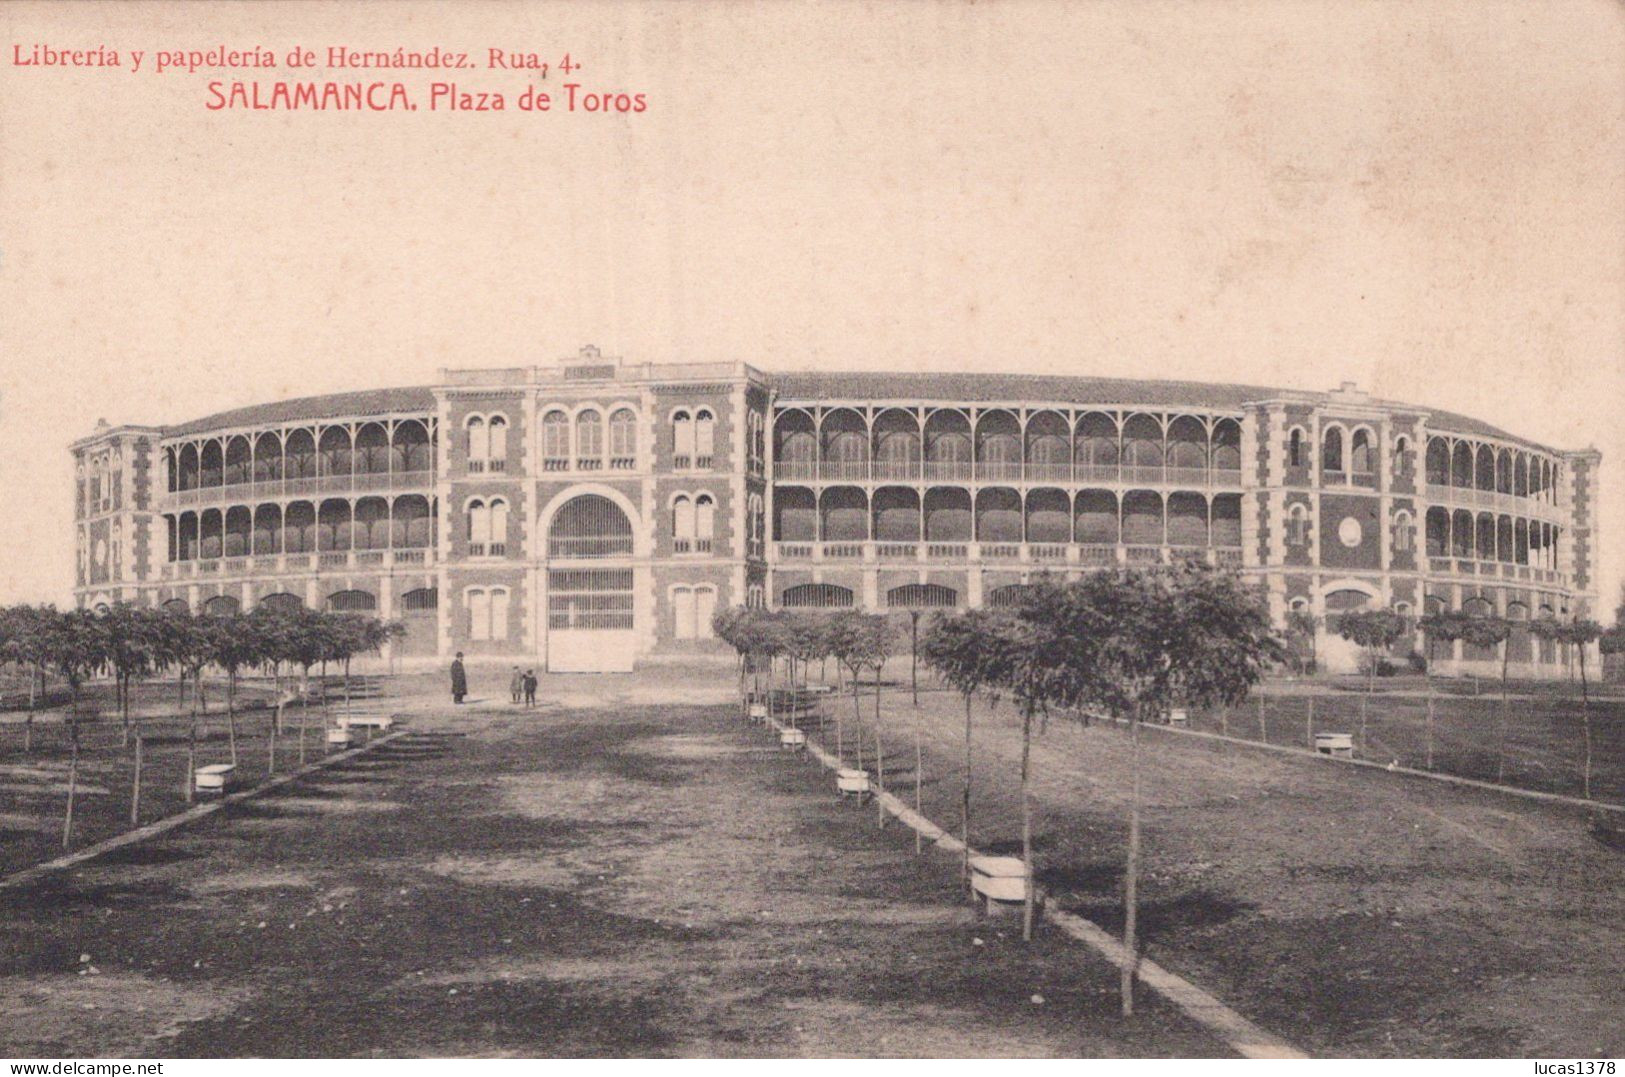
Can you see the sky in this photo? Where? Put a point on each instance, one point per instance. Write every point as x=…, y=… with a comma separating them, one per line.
x=1421, y=198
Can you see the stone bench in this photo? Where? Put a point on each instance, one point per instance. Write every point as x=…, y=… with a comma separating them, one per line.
x=215, y=778
x=793, y=740
x=1001, y=881
x=358, y=721
x=1340, y=745
x=852, y=782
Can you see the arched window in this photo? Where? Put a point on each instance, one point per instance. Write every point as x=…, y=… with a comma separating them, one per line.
x=917, y=596
x=420, y=600
x=1331, y=454
x=352, y=601
x=498, y=546
x=1438, y=462
x=479, y=443
x=589, y=526
x=682, y=430
x=1297, y=525
x=498, y=444
x=705, y=522
x=555, y=441
x=682, y=524
x=1402, y=532
x=1402, y=457
x=817, y=596
x=1294, y=448
x=479, y=528
x=623, y=439
x=704, y=438
x=589, y=440
x=1007, y=597
x=1363, y=460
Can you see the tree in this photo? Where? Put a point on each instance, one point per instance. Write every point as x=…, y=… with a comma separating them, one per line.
x=957, y=647
x=1489, y=633
x=1375, y=631
x=1135, y=645
x=1441, y=627
x=237, y=643
x=190, y=640
x=76, y=644
x=1581, y=633
x=28, y=645
x=1301, y=626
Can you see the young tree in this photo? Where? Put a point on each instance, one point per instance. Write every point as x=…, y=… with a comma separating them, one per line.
x=28, y=645
x=1375, y=632
x=958, y=647
x=190, y=640
x=1581, y=633
x=1301, y=626
x=1135, y=645
x=1489, y=633
x=237, y=643
x=77, y=646
x=1442, y=627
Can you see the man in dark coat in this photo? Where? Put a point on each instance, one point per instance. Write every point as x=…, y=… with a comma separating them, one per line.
x=459, y=679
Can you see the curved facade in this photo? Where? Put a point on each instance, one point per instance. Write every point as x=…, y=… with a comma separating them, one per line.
x=586, y=515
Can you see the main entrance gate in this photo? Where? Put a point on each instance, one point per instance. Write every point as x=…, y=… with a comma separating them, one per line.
x=590, y=611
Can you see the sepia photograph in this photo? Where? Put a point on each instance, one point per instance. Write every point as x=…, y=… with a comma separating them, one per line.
x=957, y=529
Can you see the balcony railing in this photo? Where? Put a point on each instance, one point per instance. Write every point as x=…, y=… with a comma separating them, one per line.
x=1468, y=566
x=278, y=564
x=1001, y=471
x=1051, y=554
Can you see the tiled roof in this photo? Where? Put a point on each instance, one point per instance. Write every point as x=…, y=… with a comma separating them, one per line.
x=1008, y=388
x=332, y=406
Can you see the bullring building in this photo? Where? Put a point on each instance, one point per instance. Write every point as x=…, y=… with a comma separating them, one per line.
x=591, y=515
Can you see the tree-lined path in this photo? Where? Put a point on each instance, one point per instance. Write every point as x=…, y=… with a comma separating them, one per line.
x=634, y=879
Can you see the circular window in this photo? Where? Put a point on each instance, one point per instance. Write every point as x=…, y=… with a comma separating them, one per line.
x=1349, y=532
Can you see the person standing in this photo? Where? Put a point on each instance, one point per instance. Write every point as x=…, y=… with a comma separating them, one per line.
x=530, y=688
x=516, y=686
x=459, y=679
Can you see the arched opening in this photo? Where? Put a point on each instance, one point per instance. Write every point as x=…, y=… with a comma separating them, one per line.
x=333, y=530
x=556, y=441
x=843, y=515
x=188, y=468
x=1187, y=450
x=896, y=515
x=998, y=445
x=1461, y=466
x=336, y=457
x=1096, y=518
x=1484, y=537
x=1331, y=453
x=1007, y=597
x=371, y=524
x=267, y=530
x=371, y=450
x=1504, y=551
x=948, y=515
x=623, y=439
x=1048, y=448
x=825, y=596
x=239, y=531
x=795, y=445
x=1503, y=472
x=1227, y=450
x=210, y=465
x=282, y=602
x=1142, y=518
x=1438, y=537
x=1049, y=516
x=267, y=458
x=922, y=596
x=589, y=440
x=210, y=527
x=1438, y=462
x=1142, y=449
x=410, y=523
x=947, y=446
x=1226, y=526
x=1520, y=476
x=897, y=445
x=845, y=446
x=352, y=601
x=795, y=515
x=1519, y=644
x=1484, y=468
x=409, y=447
x=299, y=528
x=299, y=455
x=221, y=606
x=1461, y=533
x=1097, y=447
x=998, y=515
x=1362, y=454
x=238, y=461
x=1187, y=520
x=589, y=526
x=176, y=605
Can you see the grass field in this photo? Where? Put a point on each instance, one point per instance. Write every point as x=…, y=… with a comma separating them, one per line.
x=1351, y=910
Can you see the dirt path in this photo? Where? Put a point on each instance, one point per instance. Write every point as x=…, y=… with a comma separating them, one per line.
x=641, y=881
